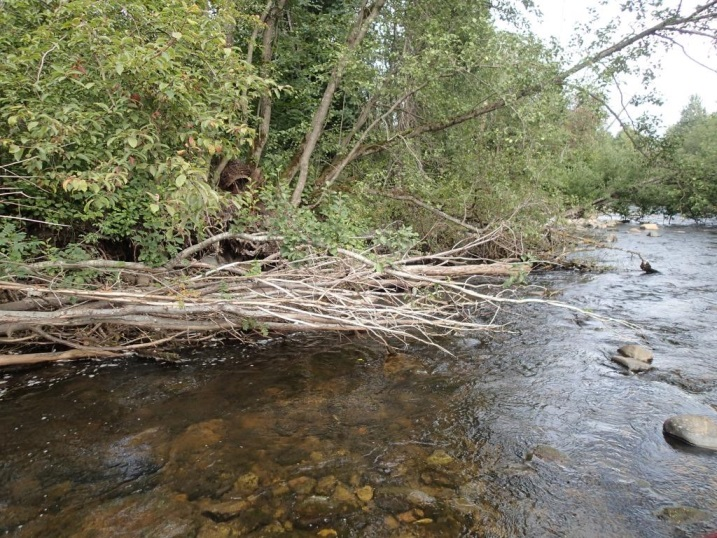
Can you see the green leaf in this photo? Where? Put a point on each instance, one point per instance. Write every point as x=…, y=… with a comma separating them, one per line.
x=181, y=180
x=132, y=141
x=32, y=125
x=177, y=35
x=154, y=208
x=119, y=68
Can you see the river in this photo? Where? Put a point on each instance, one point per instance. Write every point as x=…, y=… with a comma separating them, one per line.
x=532, y=432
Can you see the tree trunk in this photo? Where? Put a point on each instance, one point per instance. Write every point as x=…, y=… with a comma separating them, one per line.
x=265, y=104
x=365, y=17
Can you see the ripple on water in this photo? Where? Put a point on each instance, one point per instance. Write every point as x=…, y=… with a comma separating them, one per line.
x=534, y=433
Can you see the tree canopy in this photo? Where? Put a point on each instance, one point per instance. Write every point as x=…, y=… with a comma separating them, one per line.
x=118, y=119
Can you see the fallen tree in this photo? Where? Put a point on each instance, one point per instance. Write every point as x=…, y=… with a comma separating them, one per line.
x=416, y=298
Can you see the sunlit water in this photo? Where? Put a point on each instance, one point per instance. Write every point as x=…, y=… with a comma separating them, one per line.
x=529, y=433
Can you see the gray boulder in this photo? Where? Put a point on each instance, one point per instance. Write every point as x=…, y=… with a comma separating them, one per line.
x=697, y=430
x=636, y=352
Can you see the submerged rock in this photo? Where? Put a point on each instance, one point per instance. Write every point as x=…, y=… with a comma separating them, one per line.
x=325, y=486
x=697, y=430
x=224, y=511
x=682, y=514
x=421, y=499
x=302, y=485
x=365, y=494
x=547, y=453
x=157, y=513
x=634, y=351
x=246, y=483
x=439, y=458
x=344, y=495
x=633, y=365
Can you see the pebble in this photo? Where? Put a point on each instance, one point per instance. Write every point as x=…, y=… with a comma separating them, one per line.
x=365, y=494
x=439, y=458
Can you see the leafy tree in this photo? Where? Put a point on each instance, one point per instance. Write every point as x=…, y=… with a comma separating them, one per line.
x=111, y=112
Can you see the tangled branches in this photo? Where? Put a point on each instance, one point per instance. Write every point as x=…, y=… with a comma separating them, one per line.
x=415, y=299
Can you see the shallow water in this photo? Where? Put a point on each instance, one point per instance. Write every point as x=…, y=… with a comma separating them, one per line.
x=529, y=433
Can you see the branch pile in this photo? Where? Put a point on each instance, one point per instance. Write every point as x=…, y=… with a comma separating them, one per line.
x=416, y=299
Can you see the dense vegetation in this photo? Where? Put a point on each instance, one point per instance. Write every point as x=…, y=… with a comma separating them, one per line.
x=116, y=119
x=131, y=130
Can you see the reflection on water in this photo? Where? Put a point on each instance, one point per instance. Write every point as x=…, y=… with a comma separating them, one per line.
x=532, y=433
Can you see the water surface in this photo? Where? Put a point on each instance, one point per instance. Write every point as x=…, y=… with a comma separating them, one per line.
x=529, y=433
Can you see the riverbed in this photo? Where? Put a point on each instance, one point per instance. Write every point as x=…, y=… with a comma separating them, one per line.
x=531, y=432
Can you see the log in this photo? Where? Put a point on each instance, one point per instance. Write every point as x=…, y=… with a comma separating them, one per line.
x=452, y=271
x=70, y=354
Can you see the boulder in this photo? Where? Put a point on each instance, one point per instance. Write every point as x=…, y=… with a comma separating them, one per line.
x=697, y=430
x=653, y=234
x=649, y=226
x=636, y=352
x=633, y=365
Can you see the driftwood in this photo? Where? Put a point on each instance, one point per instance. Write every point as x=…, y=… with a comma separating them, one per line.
x=70, y=354
x=417, y=298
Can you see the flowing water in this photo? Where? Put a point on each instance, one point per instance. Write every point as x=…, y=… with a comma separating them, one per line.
x=529, y=433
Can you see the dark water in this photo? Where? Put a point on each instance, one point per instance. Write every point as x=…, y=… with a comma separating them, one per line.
x=530, y=433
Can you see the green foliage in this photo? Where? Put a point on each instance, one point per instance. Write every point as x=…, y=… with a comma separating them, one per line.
x=518, y=279
x=690, y=179
x=333, y=226
x=111, y=112
x=15, y=246
x=675, y=174
x=114, y=115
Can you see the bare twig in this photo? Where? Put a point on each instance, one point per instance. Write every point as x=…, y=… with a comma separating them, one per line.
x=42, y=62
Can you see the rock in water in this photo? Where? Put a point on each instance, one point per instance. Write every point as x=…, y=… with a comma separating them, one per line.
x=634, y=351
x=547, y=453
x=697, y=430
x=631, y=364
x=649, y=226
